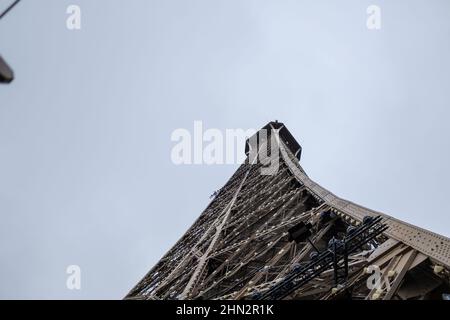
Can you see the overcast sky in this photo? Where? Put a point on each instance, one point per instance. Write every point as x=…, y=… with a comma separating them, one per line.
x=85, y=172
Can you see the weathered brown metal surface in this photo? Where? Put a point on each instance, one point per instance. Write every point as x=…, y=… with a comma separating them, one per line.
x=239, y=247
x=431, y=244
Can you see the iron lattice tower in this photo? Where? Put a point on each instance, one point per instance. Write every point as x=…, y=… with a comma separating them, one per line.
x=240, y=247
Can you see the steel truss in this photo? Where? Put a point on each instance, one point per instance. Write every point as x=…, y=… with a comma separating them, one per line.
x=239, y=246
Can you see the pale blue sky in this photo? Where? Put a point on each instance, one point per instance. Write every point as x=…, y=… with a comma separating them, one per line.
x=85, y=171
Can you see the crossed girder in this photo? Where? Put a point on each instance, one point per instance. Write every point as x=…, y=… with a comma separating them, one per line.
x=239, y=244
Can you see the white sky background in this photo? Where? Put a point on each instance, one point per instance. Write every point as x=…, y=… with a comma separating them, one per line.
x=85, y=170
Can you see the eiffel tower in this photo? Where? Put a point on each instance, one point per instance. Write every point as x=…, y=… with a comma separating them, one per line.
x=272, y=233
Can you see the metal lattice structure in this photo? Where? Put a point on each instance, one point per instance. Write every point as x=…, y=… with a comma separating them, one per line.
x=239, y=247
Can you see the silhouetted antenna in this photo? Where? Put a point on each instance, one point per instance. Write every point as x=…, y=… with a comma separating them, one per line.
x=6, y=73
x=11, y=6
